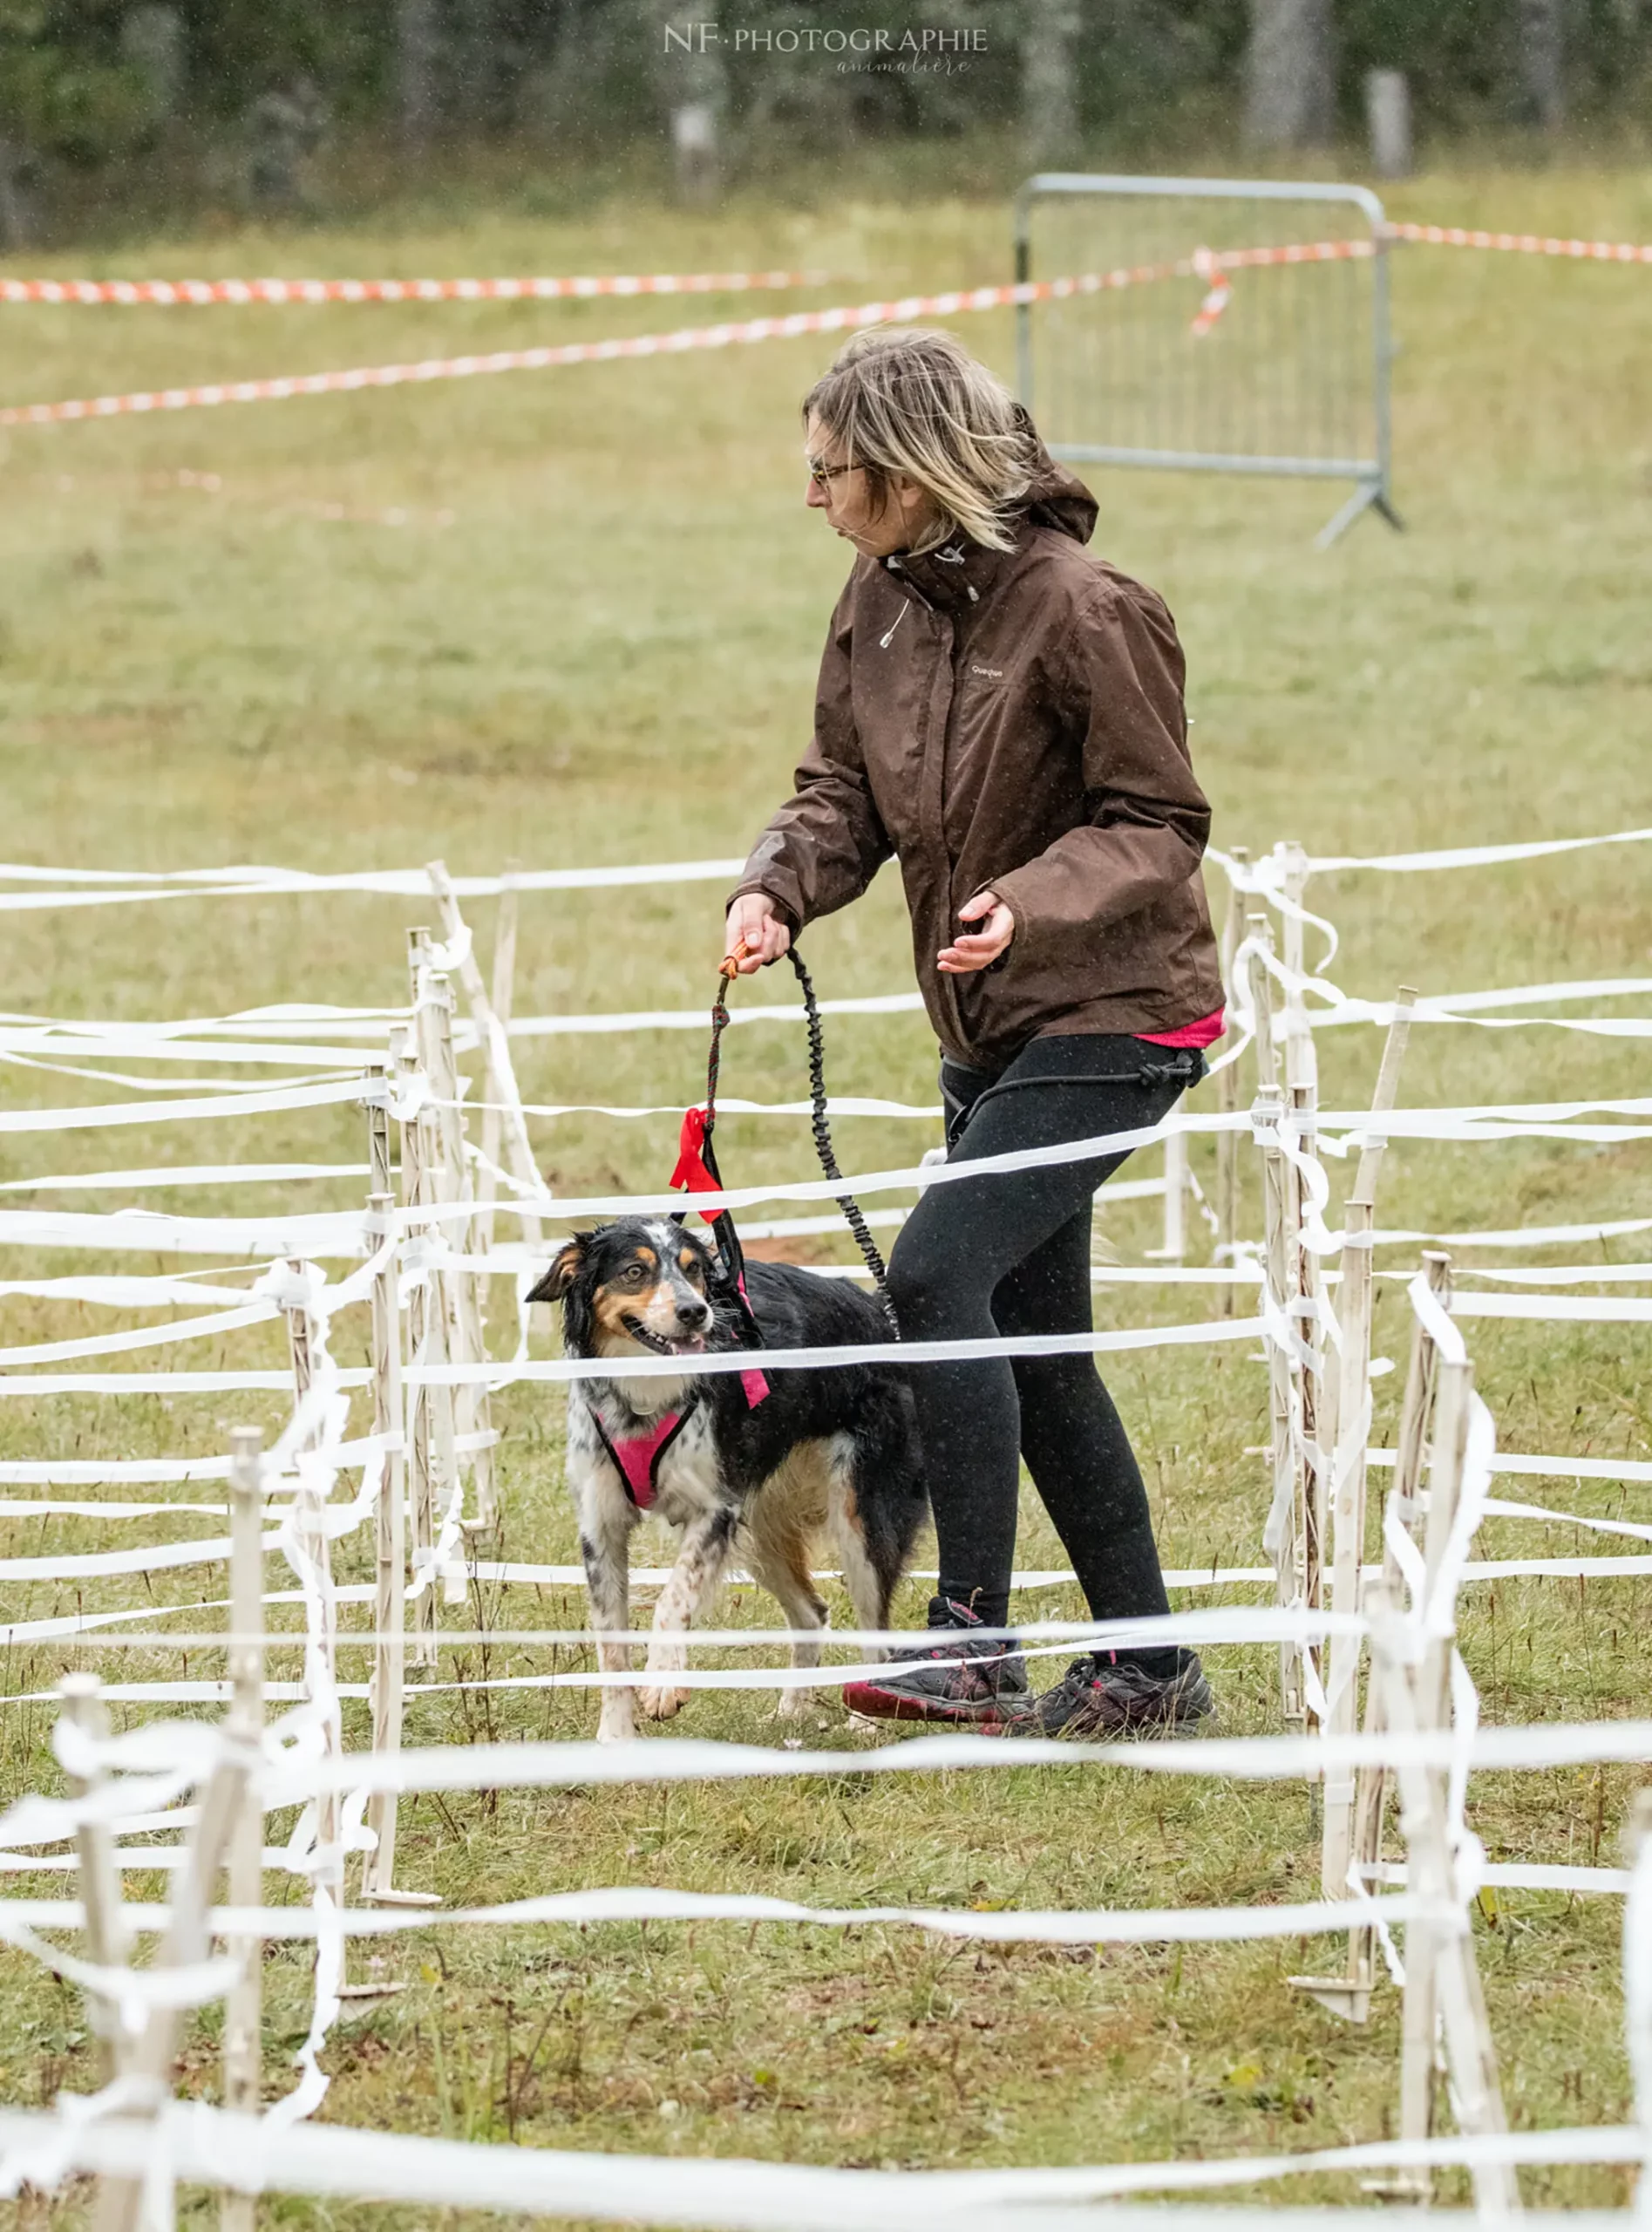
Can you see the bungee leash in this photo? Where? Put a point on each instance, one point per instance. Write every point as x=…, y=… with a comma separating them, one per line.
x=697, y=1166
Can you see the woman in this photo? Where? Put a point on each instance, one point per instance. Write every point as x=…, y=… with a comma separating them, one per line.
x=1004, y=715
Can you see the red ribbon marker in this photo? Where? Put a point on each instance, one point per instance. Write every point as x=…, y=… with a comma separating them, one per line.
x=691, y=1173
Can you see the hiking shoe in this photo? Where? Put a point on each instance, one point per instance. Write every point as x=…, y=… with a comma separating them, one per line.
x=1100, y=1695
x=985, y=1682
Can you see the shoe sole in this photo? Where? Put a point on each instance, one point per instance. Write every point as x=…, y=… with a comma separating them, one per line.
x=869, y=1703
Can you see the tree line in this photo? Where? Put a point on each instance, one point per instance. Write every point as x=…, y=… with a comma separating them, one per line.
x=125, y=96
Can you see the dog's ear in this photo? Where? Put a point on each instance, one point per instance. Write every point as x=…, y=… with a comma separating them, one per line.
x=566, y=1266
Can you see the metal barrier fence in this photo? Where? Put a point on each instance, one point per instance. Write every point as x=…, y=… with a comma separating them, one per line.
x=1278, y=364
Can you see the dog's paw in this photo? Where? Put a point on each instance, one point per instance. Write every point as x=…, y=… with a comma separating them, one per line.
x=617, y=1731
x=661, y=1703
x=792, y=1704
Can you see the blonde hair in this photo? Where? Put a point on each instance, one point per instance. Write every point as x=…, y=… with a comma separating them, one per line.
x=907, y=400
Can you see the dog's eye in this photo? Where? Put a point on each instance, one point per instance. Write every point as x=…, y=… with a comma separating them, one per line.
x=694, y=1271
x=634, y=1275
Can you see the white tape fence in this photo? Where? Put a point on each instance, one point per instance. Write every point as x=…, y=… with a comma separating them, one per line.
x=1375, y=1699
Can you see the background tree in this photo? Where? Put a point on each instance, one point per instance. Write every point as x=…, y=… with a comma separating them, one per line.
x=118, y=114
x=1290, y=78
x=1049, y=81
x=1542, y=46
x=417, y=36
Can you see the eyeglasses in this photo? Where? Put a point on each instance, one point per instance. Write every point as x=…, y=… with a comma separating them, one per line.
x=824, y=475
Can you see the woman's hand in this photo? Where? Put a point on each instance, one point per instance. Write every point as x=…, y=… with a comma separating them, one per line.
x=752, y=923
x=973, y=950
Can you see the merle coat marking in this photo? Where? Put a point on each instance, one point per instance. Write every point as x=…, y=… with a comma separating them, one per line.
x=834, y=1451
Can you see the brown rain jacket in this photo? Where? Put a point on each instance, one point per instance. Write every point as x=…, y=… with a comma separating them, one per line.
x=1010, y=721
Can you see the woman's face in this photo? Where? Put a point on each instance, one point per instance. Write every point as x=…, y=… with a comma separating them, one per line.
x=877, y=524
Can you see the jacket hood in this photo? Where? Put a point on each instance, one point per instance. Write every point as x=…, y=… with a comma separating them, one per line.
x=1059, y=499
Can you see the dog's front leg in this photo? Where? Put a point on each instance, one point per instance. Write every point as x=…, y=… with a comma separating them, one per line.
x=698, y=1569
x=605, y=1546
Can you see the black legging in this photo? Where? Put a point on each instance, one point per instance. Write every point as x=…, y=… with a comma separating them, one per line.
x=1010, y=1253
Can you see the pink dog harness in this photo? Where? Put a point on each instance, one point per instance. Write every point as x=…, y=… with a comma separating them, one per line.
x=636, y=1457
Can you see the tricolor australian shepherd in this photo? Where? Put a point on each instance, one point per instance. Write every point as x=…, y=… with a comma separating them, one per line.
x=739, y=1465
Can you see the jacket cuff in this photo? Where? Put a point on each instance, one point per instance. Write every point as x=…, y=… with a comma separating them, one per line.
x=789, y=913
x=1030, y=936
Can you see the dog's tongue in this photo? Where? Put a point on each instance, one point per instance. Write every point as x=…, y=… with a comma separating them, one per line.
x=691, y=1345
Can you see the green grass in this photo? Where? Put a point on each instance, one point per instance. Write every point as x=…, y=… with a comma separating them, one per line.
x=589, y=634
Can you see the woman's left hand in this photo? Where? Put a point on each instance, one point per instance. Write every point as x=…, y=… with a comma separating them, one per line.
x=973, y=950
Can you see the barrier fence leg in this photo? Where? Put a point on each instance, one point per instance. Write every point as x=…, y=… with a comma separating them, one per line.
x=243, y=2060
x=108, y=1943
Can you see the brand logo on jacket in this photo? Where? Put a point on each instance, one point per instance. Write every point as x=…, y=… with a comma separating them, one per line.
x=988, y=673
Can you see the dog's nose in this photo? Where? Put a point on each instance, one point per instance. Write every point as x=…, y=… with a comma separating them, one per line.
x=694, y=1314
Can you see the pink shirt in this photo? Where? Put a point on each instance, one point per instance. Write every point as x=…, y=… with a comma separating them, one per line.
x=1203, y=1033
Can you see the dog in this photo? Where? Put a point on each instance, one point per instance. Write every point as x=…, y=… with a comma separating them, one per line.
x=735, y=1462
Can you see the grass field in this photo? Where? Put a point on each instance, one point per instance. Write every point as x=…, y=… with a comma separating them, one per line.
x=574, y=617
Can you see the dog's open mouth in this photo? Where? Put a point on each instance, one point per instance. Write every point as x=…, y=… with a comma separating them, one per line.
x=676, y=1344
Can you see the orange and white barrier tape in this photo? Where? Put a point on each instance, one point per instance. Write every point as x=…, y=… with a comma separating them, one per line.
x=1522, y=243
x=652, y=345
x=1218, y=295
x=200, y=293
x=1210, y=264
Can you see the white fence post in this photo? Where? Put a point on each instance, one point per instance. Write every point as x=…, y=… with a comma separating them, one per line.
x=389, y=1602
x=316, y=1549
x=1227, y=1190
x=1279, y=1537
x=107, y=1941
x=243, y=2060
x=433, y=1021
